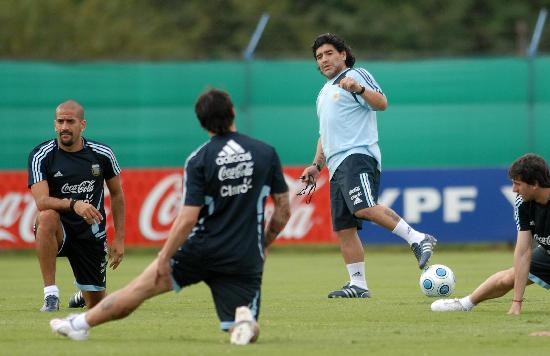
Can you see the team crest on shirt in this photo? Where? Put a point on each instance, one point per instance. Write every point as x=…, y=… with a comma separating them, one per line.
x=336, y=95
x=96, y=170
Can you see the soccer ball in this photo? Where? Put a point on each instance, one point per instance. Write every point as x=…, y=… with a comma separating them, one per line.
x=437, y=281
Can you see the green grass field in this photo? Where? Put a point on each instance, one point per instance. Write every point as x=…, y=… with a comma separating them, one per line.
x=296, y=316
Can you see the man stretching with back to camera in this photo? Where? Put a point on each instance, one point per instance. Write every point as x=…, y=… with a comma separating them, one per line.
x=218, y=236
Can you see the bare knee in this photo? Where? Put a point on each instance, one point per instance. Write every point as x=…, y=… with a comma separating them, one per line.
x=47, y=221
x=367, y=213
x=505, y=279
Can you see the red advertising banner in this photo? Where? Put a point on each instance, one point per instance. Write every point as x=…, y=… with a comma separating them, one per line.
x=153, y=197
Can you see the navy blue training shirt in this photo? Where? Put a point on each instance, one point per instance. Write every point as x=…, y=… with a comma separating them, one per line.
x=78, y=175
x=230, y=177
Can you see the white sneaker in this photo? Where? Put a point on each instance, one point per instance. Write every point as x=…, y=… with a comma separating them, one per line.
x=447, y=305
x=64, y=327
x=245, y=330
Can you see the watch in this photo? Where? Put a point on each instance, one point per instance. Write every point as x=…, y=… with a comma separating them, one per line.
x=360, y=92
x=317, y=165
x=71, y=204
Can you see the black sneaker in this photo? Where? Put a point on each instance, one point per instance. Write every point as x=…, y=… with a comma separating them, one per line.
x=348, y=291
x=51, y=304
x=424, y=250
x=77, y=300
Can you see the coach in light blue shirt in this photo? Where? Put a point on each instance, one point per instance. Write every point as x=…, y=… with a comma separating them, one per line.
x=347, y=122
x=348, y=145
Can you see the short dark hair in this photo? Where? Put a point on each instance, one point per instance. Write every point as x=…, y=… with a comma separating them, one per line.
x=337, y=42
x=214, y=110
x=71, y=105
x=530, y=168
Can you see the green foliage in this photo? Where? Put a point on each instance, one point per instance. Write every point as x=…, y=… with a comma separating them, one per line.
x=296, y=316
x=221, y=29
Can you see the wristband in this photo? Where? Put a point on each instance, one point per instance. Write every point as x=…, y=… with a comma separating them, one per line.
x=317, y=165
x=71, y=205
x=518, y=301
x=360, y=92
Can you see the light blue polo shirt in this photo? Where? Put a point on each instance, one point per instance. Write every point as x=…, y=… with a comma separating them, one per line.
x=347, y=124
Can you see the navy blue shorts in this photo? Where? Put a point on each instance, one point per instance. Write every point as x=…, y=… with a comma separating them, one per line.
x=88, y=259
x=539, y=272
x=353, y=186
x=229, y=290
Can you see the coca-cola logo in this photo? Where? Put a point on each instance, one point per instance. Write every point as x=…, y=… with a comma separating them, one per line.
x=86, y=186
x=164, y=201
x=152, y=204
x=160, y=208
x=244, y=169
x=17, y=207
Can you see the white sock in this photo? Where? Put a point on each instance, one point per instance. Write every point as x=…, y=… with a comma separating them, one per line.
x=406, y=232
x=467, y=302
x=80, y=323
x=51, y=290
x=357, y=274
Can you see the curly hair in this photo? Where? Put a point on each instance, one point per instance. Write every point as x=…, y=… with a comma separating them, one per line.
x=215, y=112
x=337, y=42
x=530, y=168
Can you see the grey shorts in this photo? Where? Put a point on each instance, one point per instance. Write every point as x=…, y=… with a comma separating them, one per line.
x=354, y=186
x=539, y=272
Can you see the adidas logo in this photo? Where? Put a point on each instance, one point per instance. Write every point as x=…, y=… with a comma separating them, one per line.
x=231, y=148
x=356, y=274
x=232, y=152
x=58, y=174
x=357, y=201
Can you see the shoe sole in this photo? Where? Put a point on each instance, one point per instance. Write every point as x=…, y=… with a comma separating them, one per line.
x=447, y=307
x=349, y=294
x=242, y=333
x=49, y=310
x=62, y=331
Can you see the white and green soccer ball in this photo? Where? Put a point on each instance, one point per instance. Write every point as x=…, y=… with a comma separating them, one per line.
x=437, y=281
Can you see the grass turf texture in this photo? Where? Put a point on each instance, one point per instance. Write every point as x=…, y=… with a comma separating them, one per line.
x=296, y=318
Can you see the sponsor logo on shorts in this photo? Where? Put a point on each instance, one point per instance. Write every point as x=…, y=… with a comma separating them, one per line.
x=355, y=195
